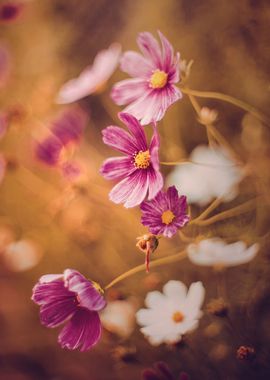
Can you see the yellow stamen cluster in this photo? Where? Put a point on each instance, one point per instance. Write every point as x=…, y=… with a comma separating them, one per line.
x=142, y=159
x=167, y=217
x=158, y=79
x=178, y=317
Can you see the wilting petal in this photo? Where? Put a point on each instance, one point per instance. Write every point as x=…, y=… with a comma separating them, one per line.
x=82, y=331
x=150, y=48
x=128, y=90
x=87, y=294
x=119, y=139
x=117, y=167
x=135, y=65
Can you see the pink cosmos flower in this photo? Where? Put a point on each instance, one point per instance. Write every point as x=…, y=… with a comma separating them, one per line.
x=166, y=213
x=138, y=170
x=70, y=298
x=10, y=11
x=93, y=77
x=151, y=90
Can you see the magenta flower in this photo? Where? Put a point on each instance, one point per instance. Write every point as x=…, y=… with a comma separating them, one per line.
x=10, y=11
x=93, y=78
x=138, y=170
x=151, y=90
x=70, y=298
x=166, y=213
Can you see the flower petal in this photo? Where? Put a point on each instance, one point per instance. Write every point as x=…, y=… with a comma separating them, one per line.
x=82, y=331
x=57, y=302
x=119, y=139
x=135, y=65
x=150, y=48
x=117, y=167
x=128, y=90
x=135, y=128
x=175, y=290
x=87, y=294
x=167, y=52
x=132, y=190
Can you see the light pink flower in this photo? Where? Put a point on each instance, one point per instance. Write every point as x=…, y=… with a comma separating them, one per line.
x=92, y=78
x=151, y=90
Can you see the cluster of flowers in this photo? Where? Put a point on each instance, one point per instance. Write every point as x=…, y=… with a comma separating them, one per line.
x=69, y=297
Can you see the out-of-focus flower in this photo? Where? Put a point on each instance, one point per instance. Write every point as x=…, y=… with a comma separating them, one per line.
x=151, y=90
x=138, y=171
x=185, y=69
x=245, y=353
x=172, y=314
x=93, y=78
x=10, y=11
x=71, y=298
x=166, y=213
x=65, y=134
x=207, y=116
x=4, y=66
x=119, y=317
x=215, y=252
x=22, y=255
x=213, y=174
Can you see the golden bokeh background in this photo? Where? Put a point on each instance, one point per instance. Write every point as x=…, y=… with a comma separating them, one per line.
x=76, y=226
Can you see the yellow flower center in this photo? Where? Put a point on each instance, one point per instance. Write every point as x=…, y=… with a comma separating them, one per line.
x=167, y=217
x=142, y=159
x=178, y=317
x=158, y=79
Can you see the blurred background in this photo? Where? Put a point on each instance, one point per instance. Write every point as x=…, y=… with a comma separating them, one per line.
x=49, y=223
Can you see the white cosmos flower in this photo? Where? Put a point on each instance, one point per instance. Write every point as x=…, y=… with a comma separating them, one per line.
x=22, y=255
x=217, y=176
x=119, y=317
x=172, y=313
x=215, y=252
x=93, y=77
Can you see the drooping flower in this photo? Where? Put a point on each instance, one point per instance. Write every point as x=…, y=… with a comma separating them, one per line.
x=166, y=213
x=138, y=170
x=71, y=298
x=215, y=252
x=93, y=78
x=65, y=134
x=152, y=88
x=213, y=174
x=147, y=243
x=171, y=314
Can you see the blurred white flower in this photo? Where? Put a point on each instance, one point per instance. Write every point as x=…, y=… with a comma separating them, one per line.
x=215, y=252
x=92, y=78
x=22, y=255
x=213, y=174
x=119, y=317
x=172, y=314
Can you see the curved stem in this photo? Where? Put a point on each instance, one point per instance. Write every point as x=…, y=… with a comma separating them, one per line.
x=245, y=207
x=229, y=99
x=164, y=260
x=209, y=209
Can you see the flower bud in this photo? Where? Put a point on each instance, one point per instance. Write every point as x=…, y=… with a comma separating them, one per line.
x=147, y=243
